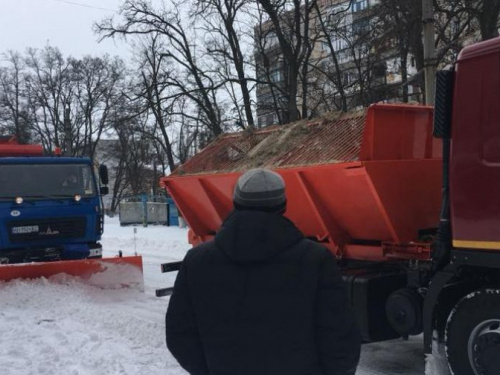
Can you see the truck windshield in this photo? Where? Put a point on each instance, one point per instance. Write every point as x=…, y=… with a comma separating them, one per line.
x=46, y=180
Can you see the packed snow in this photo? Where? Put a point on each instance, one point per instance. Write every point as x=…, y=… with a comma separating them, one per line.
x=63, y=325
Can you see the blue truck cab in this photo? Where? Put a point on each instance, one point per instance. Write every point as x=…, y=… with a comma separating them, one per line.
x=50, y=209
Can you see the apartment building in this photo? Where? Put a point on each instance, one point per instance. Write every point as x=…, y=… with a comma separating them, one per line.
x=349, y=66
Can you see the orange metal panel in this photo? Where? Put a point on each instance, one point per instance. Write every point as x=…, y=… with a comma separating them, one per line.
x=410, y=193
x=336, y=203
x=20, y=150
x=203, y=201
x=9, y=146
x=399, y=132
x=344, y=199
x=368, y=253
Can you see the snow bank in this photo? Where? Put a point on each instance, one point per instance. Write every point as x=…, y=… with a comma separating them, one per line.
x=436, y=363
x=63, y=326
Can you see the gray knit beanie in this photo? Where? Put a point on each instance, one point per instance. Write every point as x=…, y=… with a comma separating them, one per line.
x=260, y=189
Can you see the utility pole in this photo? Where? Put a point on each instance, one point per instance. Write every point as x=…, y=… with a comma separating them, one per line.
x=430, y=60
x=67, y=132
x=155, y=178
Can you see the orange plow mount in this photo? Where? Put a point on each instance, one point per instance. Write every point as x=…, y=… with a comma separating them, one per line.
x=106, y=272
x=367, y=185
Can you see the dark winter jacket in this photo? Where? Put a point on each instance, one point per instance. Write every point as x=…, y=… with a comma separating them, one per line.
x=261, y=300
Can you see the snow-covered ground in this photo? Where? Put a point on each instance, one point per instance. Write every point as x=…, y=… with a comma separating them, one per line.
x=63, y=326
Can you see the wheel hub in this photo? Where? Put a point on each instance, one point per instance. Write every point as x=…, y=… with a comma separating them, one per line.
x=484, y=347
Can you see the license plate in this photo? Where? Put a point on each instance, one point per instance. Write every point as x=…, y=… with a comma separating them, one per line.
x=25, y=229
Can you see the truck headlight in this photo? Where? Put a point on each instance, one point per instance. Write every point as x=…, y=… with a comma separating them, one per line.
x=78, y=198
x=19, y=200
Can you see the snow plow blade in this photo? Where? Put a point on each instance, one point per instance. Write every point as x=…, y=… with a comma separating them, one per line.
x=106, y=272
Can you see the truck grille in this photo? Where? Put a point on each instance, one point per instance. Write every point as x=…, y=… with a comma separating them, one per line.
x=35, y=230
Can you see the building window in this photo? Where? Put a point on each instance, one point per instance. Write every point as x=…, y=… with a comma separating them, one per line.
x=262, y=121
x=344, y=56
x=359, y=5
x=338, y=16
x=345, y=78
x=339, y=43
x=361, y=27
x=271, y=39
x=275, y=75
x=455, y=27
x=269, y=119
x=349, y=78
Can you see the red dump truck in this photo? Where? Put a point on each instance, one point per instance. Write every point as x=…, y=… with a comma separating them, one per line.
x=406, y=197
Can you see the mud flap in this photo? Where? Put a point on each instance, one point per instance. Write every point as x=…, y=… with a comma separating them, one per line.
x=106, y=272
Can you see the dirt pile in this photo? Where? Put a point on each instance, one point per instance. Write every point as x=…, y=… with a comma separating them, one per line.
x=335, y=137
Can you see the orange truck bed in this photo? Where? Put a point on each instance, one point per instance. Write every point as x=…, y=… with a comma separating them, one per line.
x=367, y=185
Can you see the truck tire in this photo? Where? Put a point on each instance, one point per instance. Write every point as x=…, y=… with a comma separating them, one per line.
x=473, y=334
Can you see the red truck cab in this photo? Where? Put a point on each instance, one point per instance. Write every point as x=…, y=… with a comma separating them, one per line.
x=475, y=148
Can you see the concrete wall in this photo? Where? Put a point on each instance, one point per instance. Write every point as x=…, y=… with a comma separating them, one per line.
x=133, y=213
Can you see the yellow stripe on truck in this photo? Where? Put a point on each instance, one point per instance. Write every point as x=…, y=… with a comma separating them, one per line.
x=490, y=245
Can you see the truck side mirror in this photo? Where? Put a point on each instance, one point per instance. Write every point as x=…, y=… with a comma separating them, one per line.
x=103, y=174
x=104, y=190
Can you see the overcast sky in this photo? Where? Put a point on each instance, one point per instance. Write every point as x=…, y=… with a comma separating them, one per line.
x=66, y=24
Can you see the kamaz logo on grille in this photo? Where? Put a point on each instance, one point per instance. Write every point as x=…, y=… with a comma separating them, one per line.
x=25, y=229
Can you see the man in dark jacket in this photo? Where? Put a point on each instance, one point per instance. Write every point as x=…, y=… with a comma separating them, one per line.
x=260, y=299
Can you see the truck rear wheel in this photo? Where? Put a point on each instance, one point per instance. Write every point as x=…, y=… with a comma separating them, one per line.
x=473, y=334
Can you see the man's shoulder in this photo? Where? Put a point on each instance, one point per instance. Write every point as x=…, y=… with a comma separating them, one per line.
x=314, y=247
x=310, y=251
x=200, y=251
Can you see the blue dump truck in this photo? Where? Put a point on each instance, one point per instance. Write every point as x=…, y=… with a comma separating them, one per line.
x=50, y=207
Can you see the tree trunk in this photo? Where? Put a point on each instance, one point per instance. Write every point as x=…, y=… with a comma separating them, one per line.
x=488, y=19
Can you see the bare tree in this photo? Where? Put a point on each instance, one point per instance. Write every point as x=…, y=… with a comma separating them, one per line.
x=453, y=28
x=70, y=99
x=486, y=13
x=331, y=71
x=187, y=140
x=13, y=104
x=48, y=83
x=222, y=21
x=192, y=80
x=400, y=24
x=290, y=22
x=133, y=150
x=270, y=87
x=97, y=83
x=153, y=91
